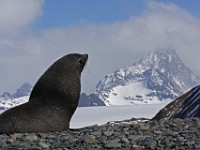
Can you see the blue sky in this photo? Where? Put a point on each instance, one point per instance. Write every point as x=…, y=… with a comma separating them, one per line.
x=115, y=34
x=71, y=12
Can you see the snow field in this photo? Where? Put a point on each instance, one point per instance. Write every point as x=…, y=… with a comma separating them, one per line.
x=87, y=116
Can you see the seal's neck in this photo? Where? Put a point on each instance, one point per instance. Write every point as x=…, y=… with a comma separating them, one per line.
x=56, y=90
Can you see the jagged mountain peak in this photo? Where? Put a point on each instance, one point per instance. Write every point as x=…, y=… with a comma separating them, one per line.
x=158, y=76
x=24, y=90
x=167, y=62
x=6, y=95
x=21, y=96
x=163, y=53
x=160, y=56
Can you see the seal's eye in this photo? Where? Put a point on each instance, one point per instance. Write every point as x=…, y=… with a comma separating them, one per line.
x=81, y=63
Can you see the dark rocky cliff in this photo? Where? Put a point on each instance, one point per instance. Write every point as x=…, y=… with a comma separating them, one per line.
x=186, y=106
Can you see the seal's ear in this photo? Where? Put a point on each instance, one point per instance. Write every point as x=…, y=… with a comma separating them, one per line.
x=82, y=61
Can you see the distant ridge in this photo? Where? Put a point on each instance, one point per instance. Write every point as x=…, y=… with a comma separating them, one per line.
x=22, y=94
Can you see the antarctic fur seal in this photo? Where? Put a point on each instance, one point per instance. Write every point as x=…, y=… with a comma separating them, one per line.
x=52, y=102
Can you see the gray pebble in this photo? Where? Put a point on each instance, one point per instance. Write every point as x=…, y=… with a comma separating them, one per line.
x=125, y=140
x=97, y=133
x=43, y=145
x=108, y=133
x=157, y=132
x=113, y=144
x=152, y=144
x=129, y=134
x=31, y=137
x=89, y=139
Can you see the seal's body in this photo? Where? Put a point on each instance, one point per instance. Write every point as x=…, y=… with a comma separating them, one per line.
x=52, y=102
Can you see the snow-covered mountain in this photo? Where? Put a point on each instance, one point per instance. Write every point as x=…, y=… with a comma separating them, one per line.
x=89, y=100
x=21, y=96
x=186, y=106
x=161, y=75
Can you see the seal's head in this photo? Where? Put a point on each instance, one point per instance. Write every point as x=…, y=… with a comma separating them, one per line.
x=71, y=64
x=61, y=79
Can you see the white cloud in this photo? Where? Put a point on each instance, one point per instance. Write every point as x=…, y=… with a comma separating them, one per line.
x=110, y=46
x=17, y=14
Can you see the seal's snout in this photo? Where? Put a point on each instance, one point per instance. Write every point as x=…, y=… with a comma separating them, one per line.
x=85, y=58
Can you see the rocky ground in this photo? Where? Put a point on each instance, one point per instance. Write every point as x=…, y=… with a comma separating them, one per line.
x=179, y=134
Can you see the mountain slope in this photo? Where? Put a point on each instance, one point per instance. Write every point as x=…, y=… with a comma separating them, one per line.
x=186, y=106
x=21, y=96
x=89, y=101
x=6, y=103
x=161, y=75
